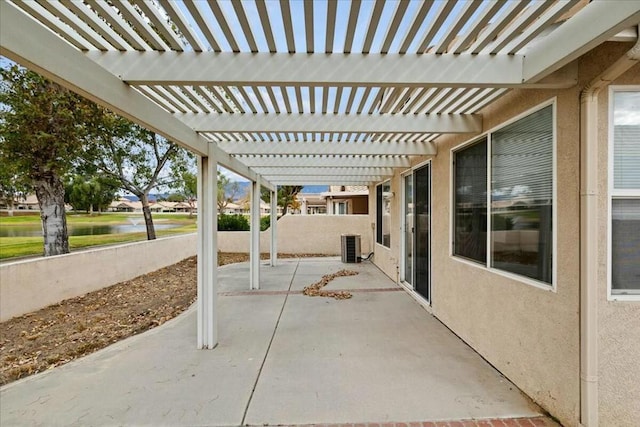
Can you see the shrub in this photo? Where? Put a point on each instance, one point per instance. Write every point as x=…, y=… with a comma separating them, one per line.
x=232, y=223
x=265, y=222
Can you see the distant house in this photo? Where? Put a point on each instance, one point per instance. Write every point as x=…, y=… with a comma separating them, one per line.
x=347, y=200
x=28, y=203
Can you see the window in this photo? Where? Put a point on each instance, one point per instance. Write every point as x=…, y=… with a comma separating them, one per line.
x=522, y=196
x=516, y=163
x=625, y=193
x=340, y=208
x=383, y=213
x=470, y=206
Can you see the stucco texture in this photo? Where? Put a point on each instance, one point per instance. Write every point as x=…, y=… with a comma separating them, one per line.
x=531, y=334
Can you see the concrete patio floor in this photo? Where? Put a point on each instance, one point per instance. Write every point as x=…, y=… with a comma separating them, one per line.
x=282, y=359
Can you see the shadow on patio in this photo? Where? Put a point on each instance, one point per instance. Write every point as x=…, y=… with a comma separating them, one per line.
x=282, y=358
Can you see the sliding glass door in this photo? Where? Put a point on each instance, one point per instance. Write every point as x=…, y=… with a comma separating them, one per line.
x=417, y=230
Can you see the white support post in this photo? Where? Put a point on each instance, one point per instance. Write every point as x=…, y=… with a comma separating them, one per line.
x=254, y=255
x=207, y=334
x=274, y=224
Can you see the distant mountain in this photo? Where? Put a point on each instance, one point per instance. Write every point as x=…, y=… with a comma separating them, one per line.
x=152, y=197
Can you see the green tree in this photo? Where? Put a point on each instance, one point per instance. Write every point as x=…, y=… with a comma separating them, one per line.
x=187, y=190
x=227, y=191
x=286, y=196
x=90, y=193
x=42, y=132
x=137, y=158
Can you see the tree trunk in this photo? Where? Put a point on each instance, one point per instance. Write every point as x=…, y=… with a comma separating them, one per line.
x=148, y=221
x=50, y=194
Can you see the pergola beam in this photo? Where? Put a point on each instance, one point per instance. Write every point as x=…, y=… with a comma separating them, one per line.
x=328, y=161
x=331, y=147
x=315, y=178
x=340, y=123
x=588, y=28
x=304, y=180
x=316, y=69
x=323, y=171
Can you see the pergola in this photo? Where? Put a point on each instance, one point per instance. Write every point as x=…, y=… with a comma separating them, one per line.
x=303, y=92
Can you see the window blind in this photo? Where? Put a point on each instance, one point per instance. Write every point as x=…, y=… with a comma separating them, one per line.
x=522, y=160
x=626, y=156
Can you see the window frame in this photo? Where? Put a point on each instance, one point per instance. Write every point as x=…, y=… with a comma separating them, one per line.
x=486, y=265
x=380, y=214
x=613, y=193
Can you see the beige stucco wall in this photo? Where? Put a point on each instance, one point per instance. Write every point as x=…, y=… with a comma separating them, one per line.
x=304, y=234
x=532, y=335
x=32, y=284
x=619, y=321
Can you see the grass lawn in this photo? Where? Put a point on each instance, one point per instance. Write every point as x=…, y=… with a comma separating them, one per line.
x=11, y=247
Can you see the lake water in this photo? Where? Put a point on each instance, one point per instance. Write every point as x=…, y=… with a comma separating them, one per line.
x=81, y=230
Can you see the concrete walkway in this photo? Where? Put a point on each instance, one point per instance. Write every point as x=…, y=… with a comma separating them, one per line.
x=283, y=359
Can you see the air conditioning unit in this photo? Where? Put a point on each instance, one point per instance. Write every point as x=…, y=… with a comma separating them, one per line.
x=350, y=247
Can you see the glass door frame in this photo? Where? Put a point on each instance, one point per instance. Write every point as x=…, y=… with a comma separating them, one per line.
x=403, y=232
x=412, y=286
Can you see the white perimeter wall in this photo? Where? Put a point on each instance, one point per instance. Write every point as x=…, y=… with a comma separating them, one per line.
x=32, y=284
x=29, y=285
x=304, y=234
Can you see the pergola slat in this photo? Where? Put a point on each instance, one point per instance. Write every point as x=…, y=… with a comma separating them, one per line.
x=180, y=21
x=98, y=25
x=512, y=10
x=50, y=21
x=266, y=25
x=351, y=26
x=288, y=26
x=459, y=21
x=464, y=40
x=224, y=25
x=537, y=27
x=150, y=36
x=308, y=24
x=529, y=15
x=416, y=23
x=441, y=15
x=247, y=99
x=207, y=96
x=153, y=14
x=374, y=20
x=84, y=30
x=244, y=23
x=331, y=25
x=195, y=9
x=394, y=24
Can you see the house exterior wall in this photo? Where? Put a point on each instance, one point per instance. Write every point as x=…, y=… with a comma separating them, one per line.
x=619, y=321
x=359, y=206
x=530, y=334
